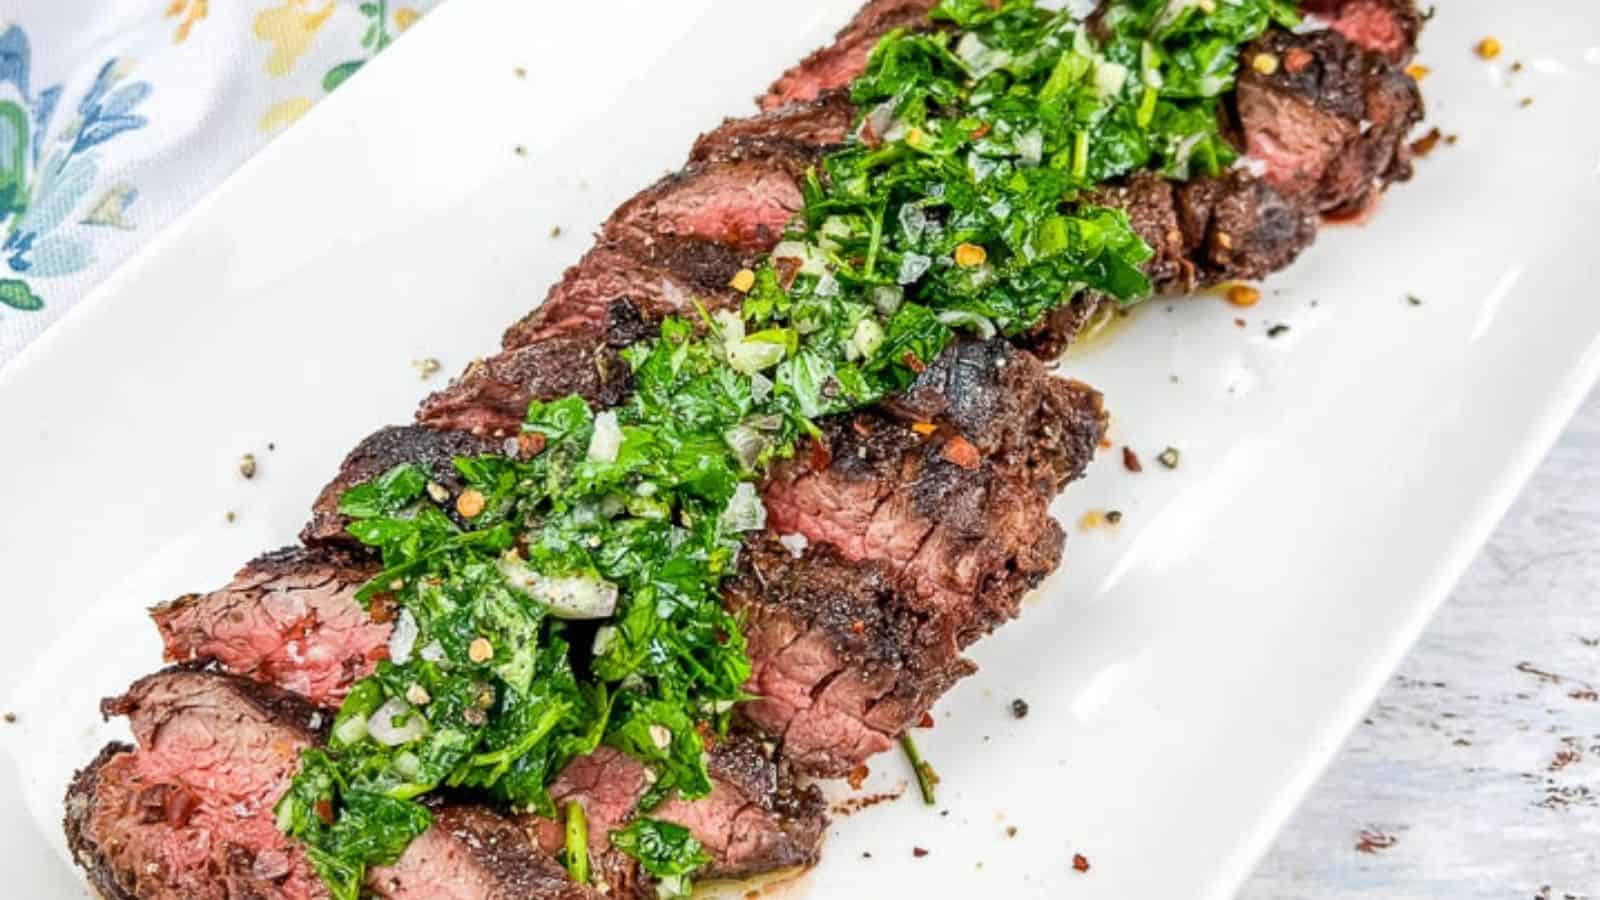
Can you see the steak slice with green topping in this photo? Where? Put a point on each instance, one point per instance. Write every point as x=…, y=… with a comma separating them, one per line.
x=836, y=65
x=189, y=814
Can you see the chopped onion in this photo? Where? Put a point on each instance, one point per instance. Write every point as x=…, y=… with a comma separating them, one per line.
x=827, y=285
x=351, y=731
x=960, y=318
x=403, y=638
x=604, y=637
x=1109, y=77
x=578, y=597
x=747, y=444
x=407, y=764
x=760, y=387
x=745, y=511
x=913, y=221
x=912, y=267
x=881, y=119
x=387, y=731
x=795, y=543
x=867, y=338
x=750, y=357
x=432, y=651
x=607, y=439
x=730, y=325
x=980, y=57
x=887, y=299
x=1030, y=147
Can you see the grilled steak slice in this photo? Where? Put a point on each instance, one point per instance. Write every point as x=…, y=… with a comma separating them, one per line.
x=471, y=853
x=958, y=514
x=1386, y=27
x=382, y=451
x=754, y=821
x=188, y=816
x=491, y=398
x=1330, y=122
x=798, y=133
x=837, y=64
x=843, y=665
x=288, y=618
x=1241, y=228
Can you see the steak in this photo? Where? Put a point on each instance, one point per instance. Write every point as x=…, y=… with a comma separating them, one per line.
x=472, y=853
x=288, y=618
x=837, y=64
x=1330, y=122
x=188, y=815
x=842, y=664
x=491, y=398
x=957, y=507
x=755, y=820
x=1386, y=27
x=434, y=451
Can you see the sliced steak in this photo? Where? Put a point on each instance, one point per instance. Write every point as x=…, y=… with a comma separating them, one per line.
x=1241, y=228
x=798, y=133
x=1386, y=27
x=755, y=820
x=837, y=64
x=950, y=486
x=288, y=618
x=434, y=450
x=1330, y=122
x=188, y=816
x=1151, y=204
x=491, y=398
x=842, y=664
x=612, y=279
x=472, y=853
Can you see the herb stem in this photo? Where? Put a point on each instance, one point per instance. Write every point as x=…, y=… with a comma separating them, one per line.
x=926, y=778
x=577, y=843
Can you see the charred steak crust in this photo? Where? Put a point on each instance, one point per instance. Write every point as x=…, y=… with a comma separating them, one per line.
x=381, y=451
x=80, y=802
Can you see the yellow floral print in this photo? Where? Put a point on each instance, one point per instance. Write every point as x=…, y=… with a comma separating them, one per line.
x=290, y=27
x=283, y=114
x=192, y=11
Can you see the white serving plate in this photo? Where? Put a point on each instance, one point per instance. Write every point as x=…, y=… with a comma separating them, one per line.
x=1190, y=672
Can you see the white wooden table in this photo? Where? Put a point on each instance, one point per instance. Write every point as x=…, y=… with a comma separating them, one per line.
x=1477, y=773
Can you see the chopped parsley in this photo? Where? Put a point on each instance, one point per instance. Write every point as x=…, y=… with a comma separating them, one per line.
x=580, y=606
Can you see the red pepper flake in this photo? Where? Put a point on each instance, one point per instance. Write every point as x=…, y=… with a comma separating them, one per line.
x=924, y=428
x=378, y=653
x=918, y=852
x=1296, y=60
x=926, y=721
x=1080, y=862
x=382, y=608
x=857, y=776
x=788, y=269
x=324, y=810
x=1105, y=443
x=820, y=456
x=1130, y=461
x=530, y=444
x=858, y=627
x=960, y=451
x=911, y=362
x=980, y=131
x=861, y=426
x=1424, y=145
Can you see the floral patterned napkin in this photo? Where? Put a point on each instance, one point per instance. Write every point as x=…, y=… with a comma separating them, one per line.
x=117, y=115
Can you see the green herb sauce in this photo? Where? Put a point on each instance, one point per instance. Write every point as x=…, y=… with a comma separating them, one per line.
x=581, y=607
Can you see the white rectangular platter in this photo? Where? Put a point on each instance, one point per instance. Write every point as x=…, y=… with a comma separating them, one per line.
x=1189, y=671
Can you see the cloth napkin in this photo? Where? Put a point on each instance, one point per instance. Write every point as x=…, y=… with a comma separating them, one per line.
x=117, y=115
